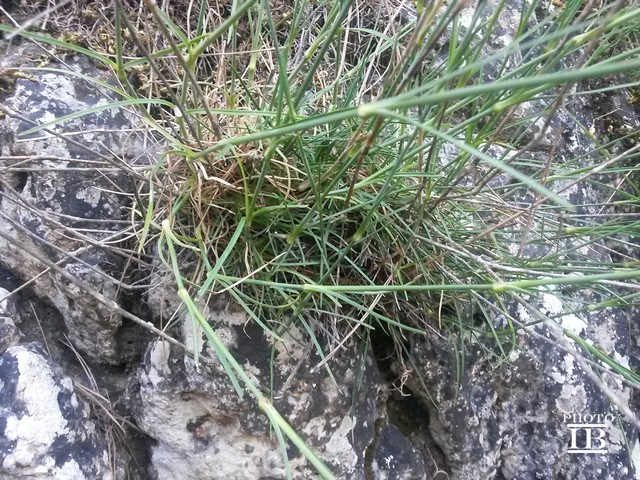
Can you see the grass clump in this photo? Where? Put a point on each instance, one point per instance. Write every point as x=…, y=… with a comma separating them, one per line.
x=351, y=166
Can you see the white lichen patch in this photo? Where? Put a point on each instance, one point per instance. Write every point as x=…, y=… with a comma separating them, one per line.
x=523, y=314
x=228, y=336
x=43, y=422
x=553, y=307
x=69, y=471
x=514, y=355
x=253, y=371
x=290, y=351
x=635, y=457
x=6, y=305
x=561, y=375
x=604, y=336
x=229, y=318
x=616, y=440
x=339, y=447
x=90, y=195
x=193, y=335
x=556, y=375
x=61, y=88
x=159, y=356
x=569, y=362
x=573, y=398
x=158, y=362
x=621, y=359
x=47, y=117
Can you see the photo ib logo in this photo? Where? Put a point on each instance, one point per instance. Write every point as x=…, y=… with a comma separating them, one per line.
x=588, y=432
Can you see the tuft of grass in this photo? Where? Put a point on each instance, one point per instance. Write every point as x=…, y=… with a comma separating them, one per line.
x=367, y=162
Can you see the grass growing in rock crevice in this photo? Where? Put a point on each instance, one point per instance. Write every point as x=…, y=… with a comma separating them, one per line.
x=349, y=168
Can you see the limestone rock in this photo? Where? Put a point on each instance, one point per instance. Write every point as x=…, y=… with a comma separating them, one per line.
x=45, y=429
x=204, y=431
x=67, y=200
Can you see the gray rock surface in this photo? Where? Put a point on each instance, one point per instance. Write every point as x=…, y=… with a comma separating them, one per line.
x=45, y=429
x=511, y=420
x=67, y=199
x=203, y=430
